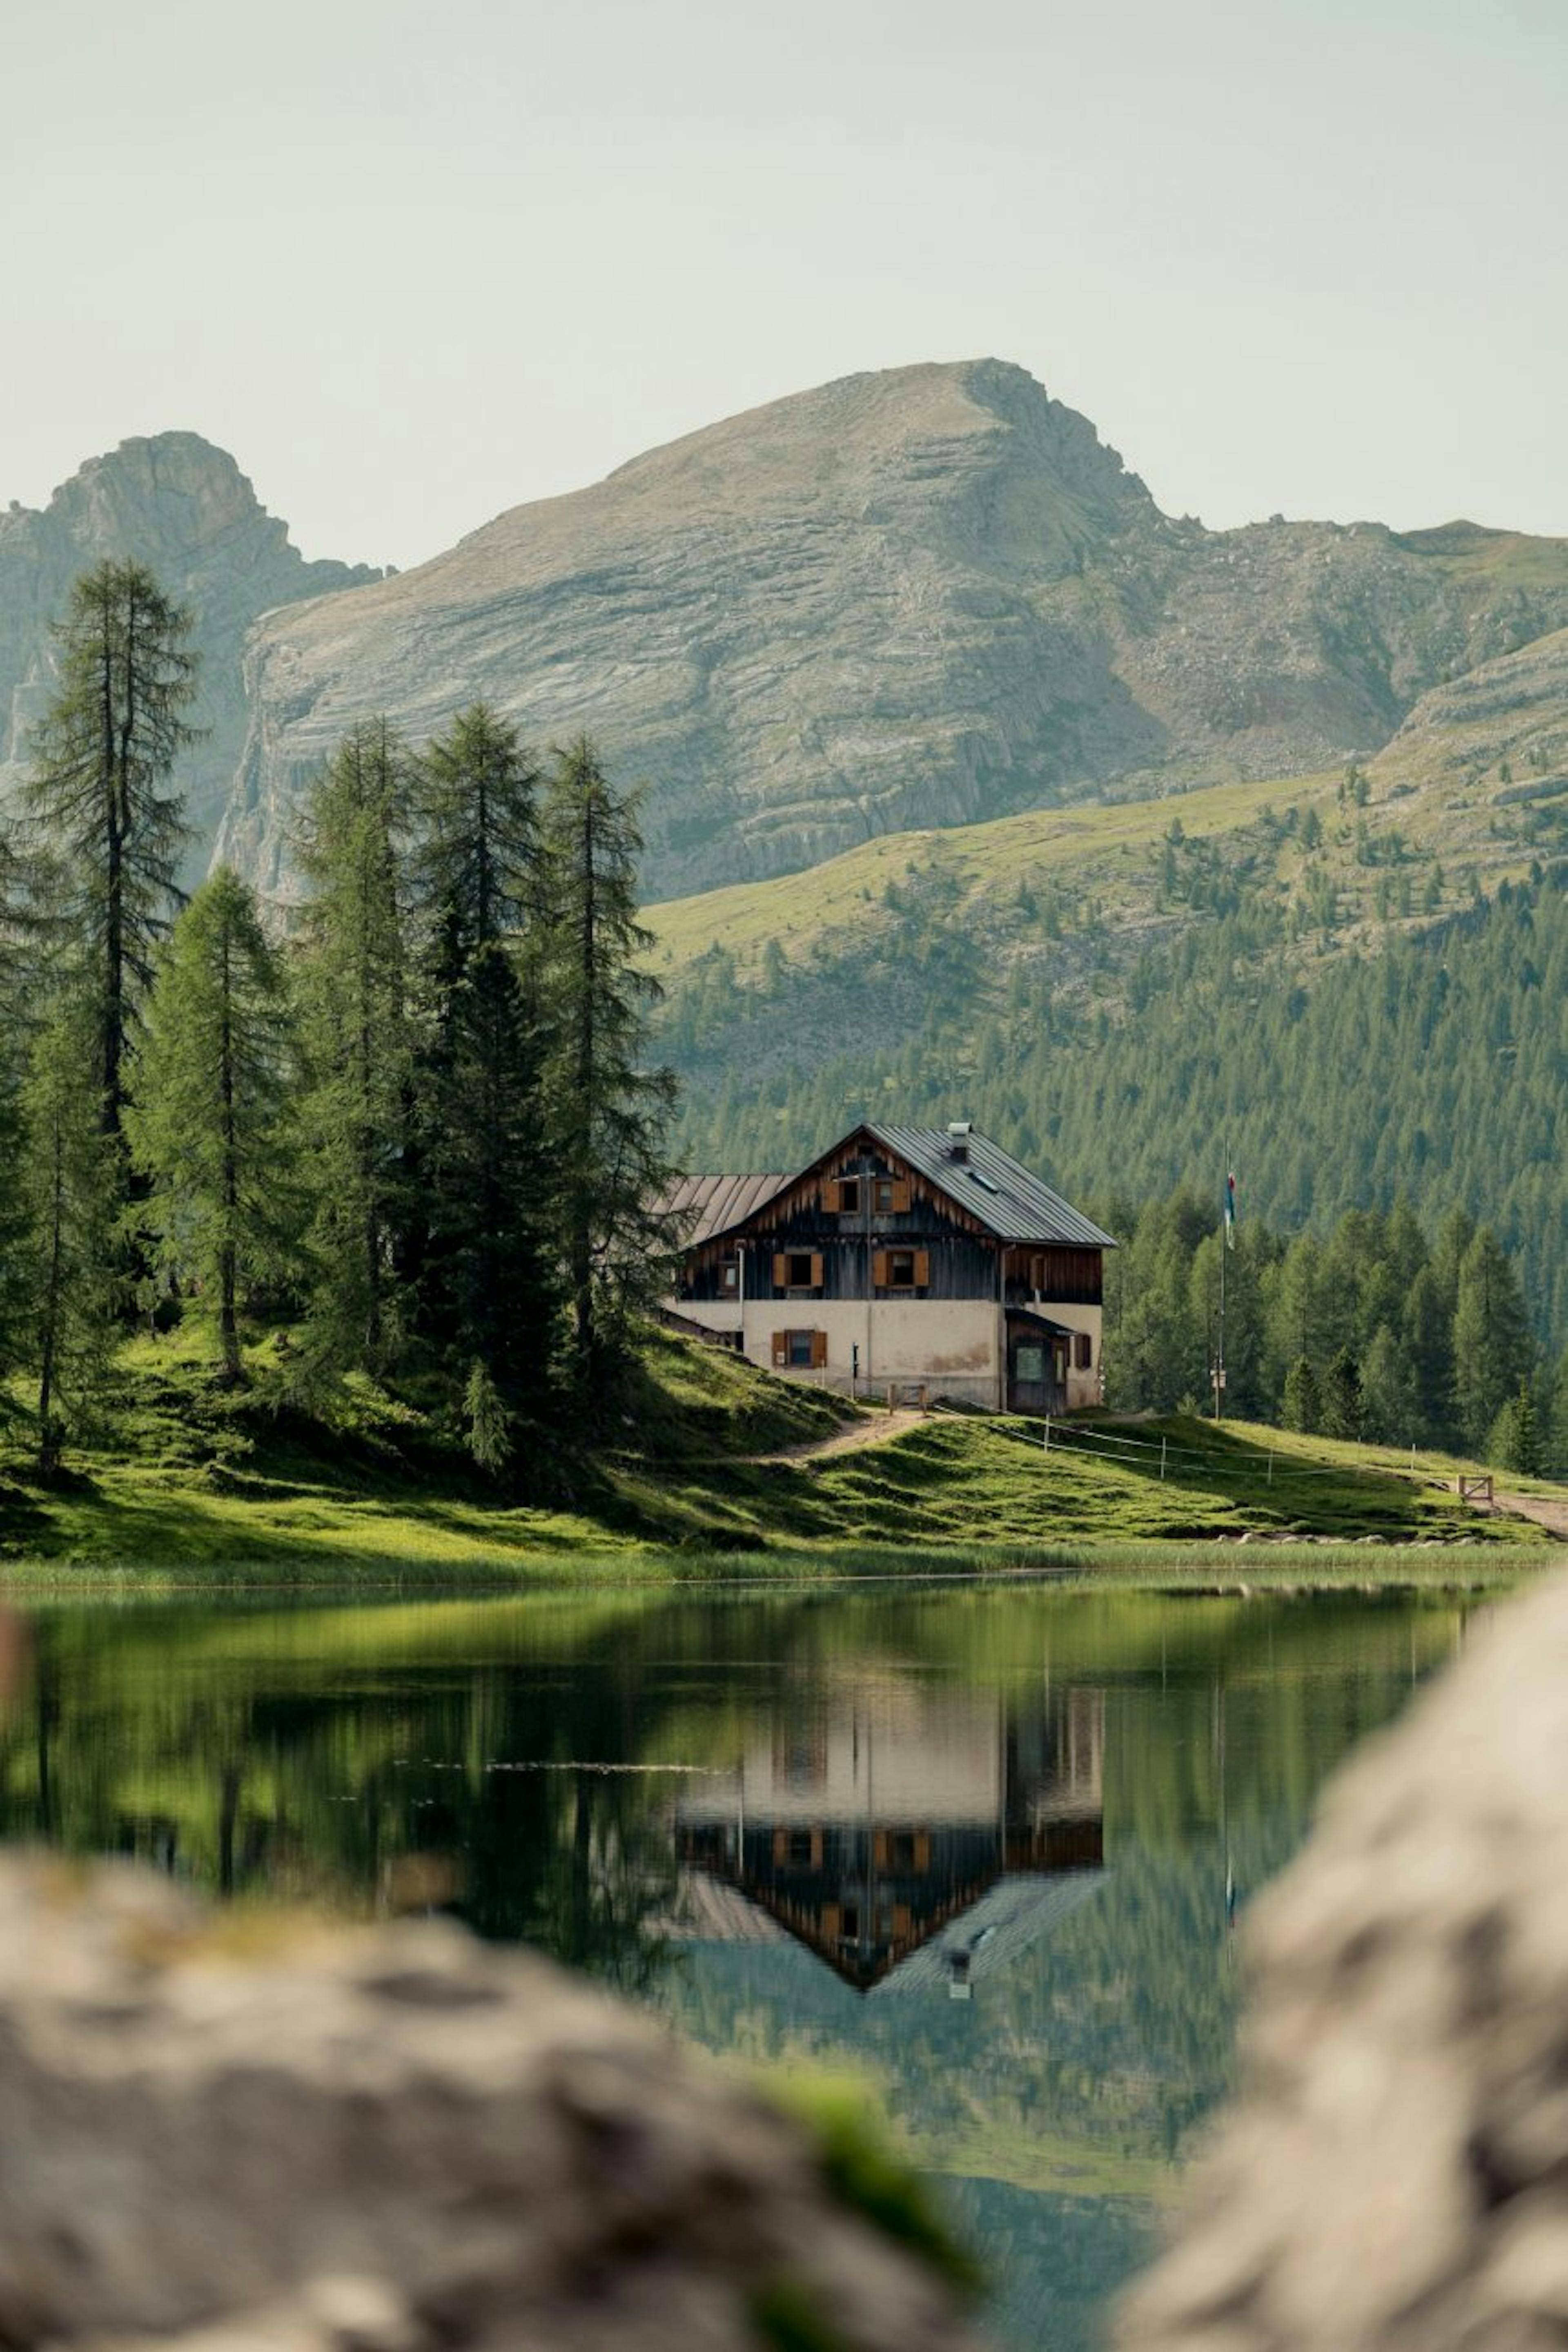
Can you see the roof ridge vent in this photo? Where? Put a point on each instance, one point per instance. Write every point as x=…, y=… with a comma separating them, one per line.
x=958, y=1131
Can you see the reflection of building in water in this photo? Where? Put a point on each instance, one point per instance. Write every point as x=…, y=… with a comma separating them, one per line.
x=911, y=1835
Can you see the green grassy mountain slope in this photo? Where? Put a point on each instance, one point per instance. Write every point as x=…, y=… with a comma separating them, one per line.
x=1350, y=985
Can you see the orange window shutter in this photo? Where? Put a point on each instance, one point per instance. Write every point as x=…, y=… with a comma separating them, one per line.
x=781, y=1846
x=880, y=1269
x=816, y=1269
x=833, y=1196
x=900, y=1194
x=781, y=1347
x=819, y=1348
x=922, y=1269
x=781, y=1271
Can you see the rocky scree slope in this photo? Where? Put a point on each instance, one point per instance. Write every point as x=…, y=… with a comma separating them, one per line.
x=183, y=507
x=922, y=597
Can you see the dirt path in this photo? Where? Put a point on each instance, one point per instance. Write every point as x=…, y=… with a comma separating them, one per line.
x=1544, y=1512
x=850, y=1439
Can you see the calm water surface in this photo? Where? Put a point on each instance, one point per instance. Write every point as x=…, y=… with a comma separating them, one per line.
x=987, y=1848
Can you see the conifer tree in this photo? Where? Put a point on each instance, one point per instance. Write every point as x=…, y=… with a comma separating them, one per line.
x=1493, y=1352
x=205, y=1118
x=70, y=1176
x=1302, y=1408
x=607, y=1112
x=1340, y=1404
x=1515, y=1440
x=487, y=1263
x=1390, y=1409
x=14, y=1212
x=108, y=820
x=356, y=1042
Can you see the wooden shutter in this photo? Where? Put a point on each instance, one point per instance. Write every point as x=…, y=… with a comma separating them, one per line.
x=833, y=1197
x=781, y=1846
x=816, y=1269
x=818, y=1349
x=781, y=1271
x=900, y=1194
x=880, y=1269
x=781, y=1347
x=922, y=1269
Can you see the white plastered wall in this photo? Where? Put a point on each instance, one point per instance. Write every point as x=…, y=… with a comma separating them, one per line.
x=952, y=1346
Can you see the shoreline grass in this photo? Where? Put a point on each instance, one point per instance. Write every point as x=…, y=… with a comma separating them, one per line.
x=188, y=1487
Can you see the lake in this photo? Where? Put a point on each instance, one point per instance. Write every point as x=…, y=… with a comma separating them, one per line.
x=987, y=1847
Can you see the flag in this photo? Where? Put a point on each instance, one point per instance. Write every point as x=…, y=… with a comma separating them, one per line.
x=1230, y=1212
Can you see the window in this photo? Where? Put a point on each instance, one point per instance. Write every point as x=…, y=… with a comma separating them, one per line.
x=800, y=1849
x=1029, y=1363
x=798, y=1269
x=1082, y=1350
x=849, y=1196
x=799, y=1351
x=901, y=1269
x=889, y=1195
x=729, y=1277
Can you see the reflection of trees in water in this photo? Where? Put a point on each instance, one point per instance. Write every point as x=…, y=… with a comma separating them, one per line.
x=340, y=1755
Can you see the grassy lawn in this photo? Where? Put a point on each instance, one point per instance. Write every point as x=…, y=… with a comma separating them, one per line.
x=183, y=1483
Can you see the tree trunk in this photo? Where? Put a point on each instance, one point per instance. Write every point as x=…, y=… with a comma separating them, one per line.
x=228, y=1325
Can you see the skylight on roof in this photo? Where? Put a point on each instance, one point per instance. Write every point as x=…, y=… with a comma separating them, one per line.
x=976, y=1177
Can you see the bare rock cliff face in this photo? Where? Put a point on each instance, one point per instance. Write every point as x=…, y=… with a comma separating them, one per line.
x=185, y=509
x=1396, y=2179
x=243, y=2134
x=916, y=598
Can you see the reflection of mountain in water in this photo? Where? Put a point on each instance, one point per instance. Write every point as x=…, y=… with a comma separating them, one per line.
x=914, y=1836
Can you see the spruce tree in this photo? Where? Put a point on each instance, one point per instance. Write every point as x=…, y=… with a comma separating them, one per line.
x=1340, y=1404
x=205, y=1118
x=488, y=1289
x=1493, y=1352
x=607, y=1112
x=107, y=820
x=70, y=1189
x=1303, y=1407
x=14, y=1209
x=356, y=1043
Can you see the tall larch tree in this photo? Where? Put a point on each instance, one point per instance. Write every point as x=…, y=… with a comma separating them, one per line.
x=607, y=1112
x=488, y=1289
x=107, y=819
x=357, y=1042
x=1494, y=1353
x=70, y=1195
x=14, y=1208
x=207, y=1114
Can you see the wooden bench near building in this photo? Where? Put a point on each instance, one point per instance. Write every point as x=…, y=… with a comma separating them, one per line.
x=904, y=1257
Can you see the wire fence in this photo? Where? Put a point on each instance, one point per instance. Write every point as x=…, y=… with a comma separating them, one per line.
x=1169, y=1456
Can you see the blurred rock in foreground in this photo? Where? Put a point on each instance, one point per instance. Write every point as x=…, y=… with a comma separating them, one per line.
x=231, y=2131
x=1396, y=2173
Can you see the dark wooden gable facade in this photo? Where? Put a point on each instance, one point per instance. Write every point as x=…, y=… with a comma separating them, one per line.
x=859, y=1220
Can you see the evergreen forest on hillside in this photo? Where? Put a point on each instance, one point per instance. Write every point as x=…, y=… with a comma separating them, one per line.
x=1436, y=1069
x=417, y=1135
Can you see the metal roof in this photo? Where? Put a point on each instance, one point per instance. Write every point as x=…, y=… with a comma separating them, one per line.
x=714, y=1203
x=987, y=1938
x=993, y=1187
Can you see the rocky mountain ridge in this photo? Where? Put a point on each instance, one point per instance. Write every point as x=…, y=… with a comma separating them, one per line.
x=180, y=505
x=919, y=598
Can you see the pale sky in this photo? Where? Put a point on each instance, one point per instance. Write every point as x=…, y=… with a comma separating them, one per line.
x=414, y=261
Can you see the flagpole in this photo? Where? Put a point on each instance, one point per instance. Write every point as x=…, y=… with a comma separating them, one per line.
x=1224, y=1252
